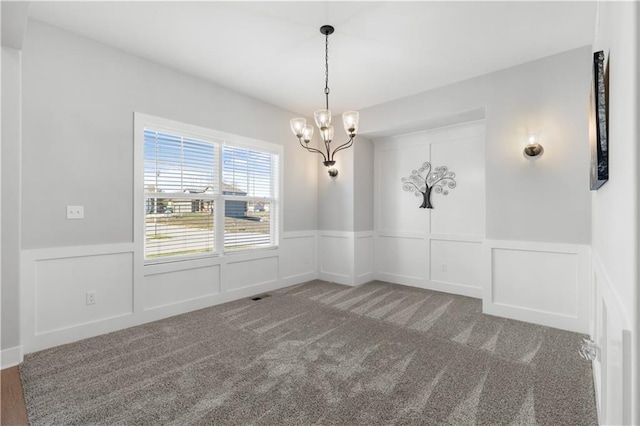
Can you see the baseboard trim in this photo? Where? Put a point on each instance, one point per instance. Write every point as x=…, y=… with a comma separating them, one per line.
x=336, y=278
x=455, y=288
x=299, y=278
x=11, y=357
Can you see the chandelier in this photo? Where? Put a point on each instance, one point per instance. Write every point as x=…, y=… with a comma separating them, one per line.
x=304, y=132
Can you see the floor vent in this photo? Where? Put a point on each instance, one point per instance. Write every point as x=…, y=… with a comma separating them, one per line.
x=260, y=297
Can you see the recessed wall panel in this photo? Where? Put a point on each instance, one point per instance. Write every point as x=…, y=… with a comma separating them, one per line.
x=297, y=256
x=401, y=257
x=364, y=258
x=456, y=262
x=247, y=273
x=336, y=255
x=178, y=286
x=536, y=280
x=62, y=284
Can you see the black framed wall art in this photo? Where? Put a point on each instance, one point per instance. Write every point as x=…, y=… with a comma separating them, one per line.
x=599, y=122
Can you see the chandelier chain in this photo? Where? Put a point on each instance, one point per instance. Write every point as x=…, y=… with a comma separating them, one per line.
x=326, y=69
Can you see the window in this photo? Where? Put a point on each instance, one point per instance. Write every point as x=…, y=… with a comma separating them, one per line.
x=247, y=189
x=206, y=195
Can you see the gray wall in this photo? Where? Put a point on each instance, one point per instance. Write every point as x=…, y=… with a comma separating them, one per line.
x=10, y=294
x=79, y=98
x=346, y=202
x=363, y=186
x=543, y=200
x=336, y=195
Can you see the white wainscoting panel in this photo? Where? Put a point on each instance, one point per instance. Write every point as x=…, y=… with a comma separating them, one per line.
x=542, y=283
x=54, y=283
x=401, y=259
x=298, y=257
x=178, y=286
x=62, y=284
x=612, y=369
x=456, y=267
x=241, y=274
x=462, y=211
x=337, y=257
x=363, y=257
x=411, y=244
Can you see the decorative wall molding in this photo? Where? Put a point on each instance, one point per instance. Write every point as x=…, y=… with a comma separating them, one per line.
x=541, y=283
x=346, y=257
x=401, y=258
x=610, y=329
x=437, y=249
x=147, y=292
x=337, y=256
x=300, y=262
x=364, y=252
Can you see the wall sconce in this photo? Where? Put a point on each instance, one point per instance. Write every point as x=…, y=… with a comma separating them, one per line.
x=532, y=147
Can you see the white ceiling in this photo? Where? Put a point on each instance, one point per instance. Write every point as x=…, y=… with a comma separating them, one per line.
x=380, y=51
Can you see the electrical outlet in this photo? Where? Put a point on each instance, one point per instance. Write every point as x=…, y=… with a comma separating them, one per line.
x=75, y=212
x=91, y=298
x=443, y=267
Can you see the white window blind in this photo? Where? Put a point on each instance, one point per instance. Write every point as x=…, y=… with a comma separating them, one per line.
x=180, y=185
x=249, y=189
x=192, y=184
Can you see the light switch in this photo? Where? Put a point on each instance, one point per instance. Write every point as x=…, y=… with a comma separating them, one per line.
x=75, y=212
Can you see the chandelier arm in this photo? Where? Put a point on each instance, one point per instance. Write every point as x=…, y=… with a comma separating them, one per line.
x=346, y=145
x=327, y=146
x=317, y=151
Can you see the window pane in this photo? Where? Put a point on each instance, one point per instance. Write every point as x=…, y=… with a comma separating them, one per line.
x=247, y=224
x=175, y=226
x=247, y=172
x=178, y=164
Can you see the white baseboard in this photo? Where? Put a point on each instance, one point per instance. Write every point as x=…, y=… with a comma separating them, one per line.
x=364, y=278
x=455, y=288
x=299, y=278
x=336, y=278
x=10, y=357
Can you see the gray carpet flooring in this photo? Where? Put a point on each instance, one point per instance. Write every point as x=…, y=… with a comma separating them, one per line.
x=319, y=353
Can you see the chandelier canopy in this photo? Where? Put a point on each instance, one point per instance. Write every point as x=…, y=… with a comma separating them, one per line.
x=304, y=131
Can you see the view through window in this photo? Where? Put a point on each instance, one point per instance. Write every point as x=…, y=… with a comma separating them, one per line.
x=197, y=189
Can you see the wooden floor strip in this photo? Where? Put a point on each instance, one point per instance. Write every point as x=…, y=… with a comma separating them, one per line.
x=13, y=410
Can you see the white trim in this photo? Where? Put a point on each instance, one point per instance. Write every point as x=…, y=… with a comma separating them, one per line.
x=399, y=234
x=32, y=341
x=218, y=139
x=463, y=238
x=362, y=277
x=400, y=279
x=347, y=238
x=11, y=357
x=455, y=288
x=603, y=292
x=198, y=132
x=578, y=322
x=312, y=273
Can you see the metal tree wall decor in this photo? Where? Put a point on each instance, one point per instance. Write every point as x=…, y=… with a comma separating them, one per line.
x=424, y=181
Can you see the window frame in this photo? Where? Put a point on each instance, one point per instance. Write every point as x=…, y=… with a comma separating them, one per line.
x=219, y=139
